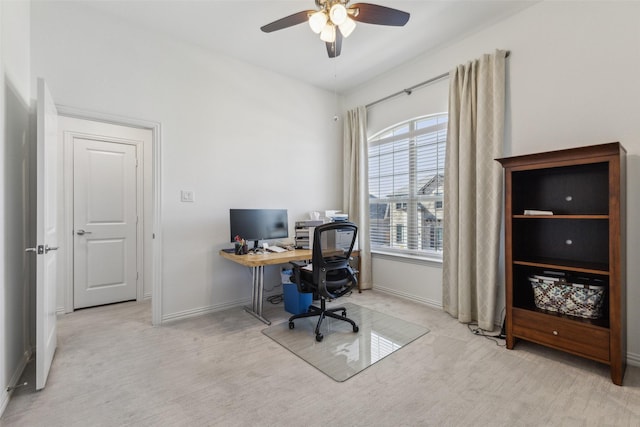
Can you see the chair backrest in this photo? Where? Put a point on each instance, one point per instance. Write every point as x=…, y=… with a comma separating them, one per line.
x=332, y=246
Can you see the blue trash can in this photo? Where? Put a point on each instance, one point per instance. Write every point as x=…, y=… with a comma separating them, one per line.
x=294, y=301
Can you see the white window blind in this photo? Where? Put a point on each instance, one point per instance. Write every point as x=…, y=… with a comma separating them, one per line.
x=406, y=184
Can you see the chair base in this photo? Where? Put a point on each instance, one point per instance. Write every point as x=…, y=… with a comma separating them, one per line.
x=323, y=312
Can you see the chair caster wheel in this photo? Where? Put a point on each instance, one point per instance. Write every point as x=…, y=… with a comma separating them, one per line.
x=355, y=329
x=291, y=325
x=319, y=337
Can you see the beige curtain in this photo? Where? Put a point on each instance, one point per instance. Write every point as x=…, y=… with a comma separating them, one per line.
x=356, y=186
x=473, y=189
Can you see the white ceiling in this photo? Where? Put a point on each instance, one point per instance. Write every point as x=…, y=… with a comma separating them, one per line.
x=233, y=28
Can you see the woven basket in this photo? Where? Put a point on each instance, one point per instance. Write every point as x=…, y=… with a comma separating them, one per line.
x=567, y=298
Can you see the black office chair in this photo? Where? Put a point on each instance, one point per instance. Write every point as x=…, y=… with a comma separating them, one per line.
x=329, y=275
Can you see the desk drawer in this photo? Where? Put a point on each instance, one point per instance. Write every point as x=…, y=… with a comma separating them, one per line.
x=572, y=336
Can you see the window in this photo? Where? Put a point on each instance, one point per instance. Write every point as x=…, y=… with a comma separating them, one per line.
x=400, y=233
x=406, y=184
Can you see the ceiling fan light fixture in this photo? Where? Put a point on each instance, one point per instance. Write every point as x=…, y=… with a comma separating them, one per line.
x=328, y=33
x=334, y=21
x=338, y=13
x=347, y=27
x=317, y=21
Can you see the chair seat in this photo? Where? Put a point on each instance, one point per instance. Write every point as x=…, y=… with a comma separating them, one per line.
x=336, y=280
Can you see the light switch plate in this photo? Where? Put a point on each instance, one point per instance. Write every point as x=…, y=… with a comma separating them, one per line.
x=187, y=196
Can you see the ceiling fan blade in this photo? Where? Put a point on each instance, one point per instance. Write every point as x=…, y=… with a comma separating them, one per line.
x=287, y=21
x=333, y=49
x=380, y=15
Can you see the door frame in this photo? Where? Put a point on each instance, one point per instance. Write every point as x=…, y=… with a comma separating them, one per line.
x=154, y=216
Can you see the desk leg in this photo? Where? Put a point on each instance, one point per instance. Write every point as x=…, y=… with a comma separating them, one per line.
x=257, y=274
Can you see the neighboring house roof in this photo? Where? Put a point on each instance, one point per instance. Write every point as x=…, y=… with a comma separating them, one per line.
x=427, y=215
x=377, y=208
x=430, y=185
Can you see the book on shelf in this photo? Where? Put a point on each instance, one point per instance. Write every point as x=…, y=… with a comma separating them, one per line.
x=537, y=212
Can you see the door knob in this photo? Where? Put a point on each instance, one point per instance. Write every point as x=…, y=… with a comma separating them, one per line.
x=41, y=249
x=82, y=232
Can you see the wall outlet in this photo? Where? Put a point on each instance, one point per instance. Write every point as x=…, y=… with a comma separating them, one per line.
x=187, y=196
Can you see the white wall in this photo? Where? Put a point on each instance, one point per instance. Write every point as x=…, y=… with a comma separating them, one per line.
x=224, y=124
x=572, y=81
x=14, y=160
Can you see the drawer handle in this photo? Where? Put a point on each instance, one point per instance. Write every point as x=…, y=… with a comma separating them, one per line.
x=555, y=332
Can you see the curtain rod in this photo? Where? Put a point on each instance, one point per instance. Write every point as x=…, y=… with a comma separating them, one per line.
x=409, y=90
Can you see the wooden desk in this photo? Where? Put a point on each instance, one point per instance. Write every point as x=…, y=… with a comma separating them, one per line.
x=257, y=263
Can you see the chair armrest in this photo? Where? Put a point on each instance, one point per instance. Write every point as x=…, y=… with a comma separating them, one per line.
x=347, y=283
x=298, y=264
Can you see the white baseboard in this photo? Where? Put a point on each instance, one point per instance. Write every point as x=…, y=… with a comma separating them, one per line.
x=275, y=290
x=426, y=301
x=5, y=395
x=203, y=310
x=633, y=359
x=4, y=401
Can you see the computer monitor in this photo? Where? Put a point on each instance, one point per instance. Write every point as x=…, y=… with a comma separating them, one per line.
x=258, y=224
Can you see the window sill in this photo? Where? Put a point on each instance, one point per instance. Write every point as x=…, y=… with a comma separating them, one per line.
x=400, y=256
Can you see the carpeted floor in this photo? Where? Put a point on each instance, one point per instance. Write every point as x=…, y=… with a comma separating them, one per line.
x=112, y=368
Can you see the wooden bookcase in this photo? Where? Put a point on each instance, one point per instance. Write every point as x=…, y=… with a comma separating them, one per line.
x=585, y=189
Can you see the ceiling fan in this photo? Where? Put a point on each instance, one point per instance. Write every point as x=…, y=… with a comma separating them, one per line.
x=334, y=20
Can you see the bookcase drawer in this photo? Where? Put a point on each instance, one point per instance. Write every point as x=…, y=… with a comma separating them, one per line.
x=572, y=336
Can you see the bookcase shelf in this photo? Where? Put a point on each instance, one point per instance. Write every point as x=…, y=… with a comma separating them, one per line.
x=603, y=217
x=584, y=239
x=565, y=265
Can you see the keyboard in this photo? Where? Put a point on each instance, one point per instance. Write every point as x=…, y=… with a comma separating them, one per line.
x=276, y=249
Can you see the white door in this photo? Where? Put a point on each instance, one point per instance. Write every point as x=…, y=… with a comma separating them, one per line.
x=46, y=234
x=105, y=214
